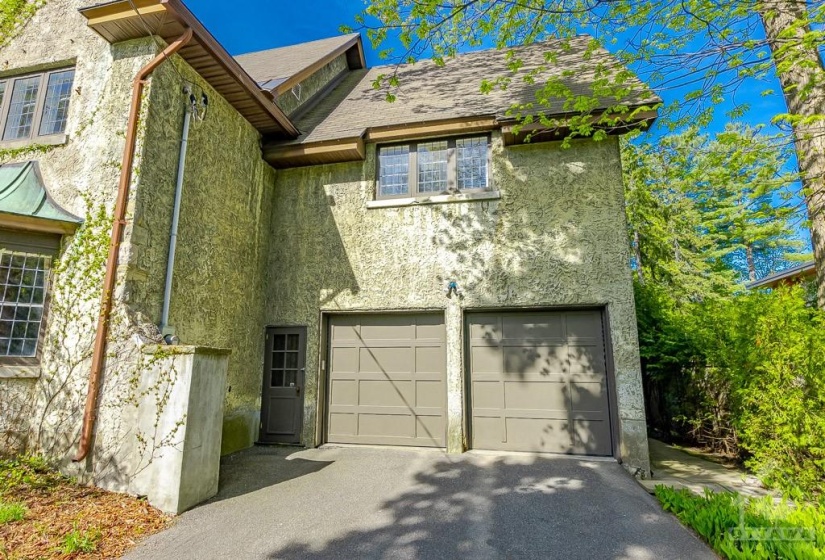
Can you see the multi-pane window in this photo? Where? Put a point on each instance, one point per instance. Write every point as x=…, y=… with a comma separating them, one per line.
x=285, y=360
x=23, y=278
x=433, y=167
x=36, y=105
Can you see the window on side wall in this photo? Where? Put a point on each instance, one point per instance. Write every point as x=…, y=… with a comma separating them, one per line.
x=434, y=167
x=25, y=264
x=35, y=107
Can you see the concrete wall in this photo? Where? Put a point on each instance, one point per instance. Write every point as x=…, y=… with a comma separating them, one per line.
x=289, y=103
x=218, y=289
x=555, y=237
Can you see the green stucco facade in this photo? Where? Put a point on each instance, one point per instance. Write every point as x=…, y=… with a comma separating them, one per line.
x=555, y=237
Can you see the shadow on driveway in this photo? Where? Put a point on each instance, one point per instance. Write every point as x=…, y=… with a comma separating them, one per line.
x=406, y=503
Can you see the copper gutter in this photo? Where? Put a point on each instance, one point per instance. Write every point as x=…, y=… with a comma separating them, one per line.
x=90, y=412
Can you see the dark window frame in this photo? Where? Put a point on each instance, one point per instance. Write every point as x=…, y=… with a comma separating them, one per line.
x=40, y=104
x=452, y=168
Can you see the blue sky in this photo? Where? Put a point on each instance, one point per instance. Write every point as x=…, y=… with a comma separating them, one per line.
x=263, y=24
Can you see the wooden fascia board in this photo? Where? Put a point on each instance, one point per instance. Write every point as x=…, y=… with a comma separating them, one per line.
x=214, y=48
x=35, y=224
x=294, y=80
x=100, y=15
x=432, y=129
x=336, y=151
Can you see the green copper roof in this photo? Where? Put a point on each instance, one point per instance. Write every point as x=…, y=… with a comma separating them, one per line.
x=23, y=193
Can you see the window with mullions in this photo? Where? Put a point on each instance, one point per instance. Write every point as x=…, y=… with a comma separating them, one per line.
x=35, y=106
x=23, y=278
x=433, y=167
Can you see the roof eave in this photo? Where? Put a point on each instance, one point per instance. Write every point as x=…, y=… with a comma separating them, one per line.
x=128, y=19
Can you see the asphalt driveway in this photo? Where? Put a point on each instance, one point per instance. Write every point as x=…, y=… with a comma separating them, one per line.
x=353, y=503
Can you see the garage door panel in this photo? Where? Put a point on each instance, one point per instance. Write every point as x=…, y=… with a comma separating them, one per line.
x=587, y=396
x=538, y=382
x=392, y=359
x=531, y=358
x=344, y=392
x=487, y=394
x=375, y=392
x=487, y=358
x=394, y=392
x=535, y=326
x=430, y=394
x=587, y=359
x=536, y=395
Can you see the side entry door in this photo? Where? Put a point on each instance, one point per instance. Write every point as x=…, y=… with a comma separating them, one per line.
x=282, y=400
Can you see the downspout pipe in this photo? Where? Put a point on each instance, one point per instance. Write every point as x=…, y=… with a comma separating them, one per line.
x=102, y=333
x=173, y=238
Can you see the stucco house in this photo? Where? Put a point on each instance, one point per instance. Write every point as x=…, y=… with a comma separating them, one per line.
x=201, y=252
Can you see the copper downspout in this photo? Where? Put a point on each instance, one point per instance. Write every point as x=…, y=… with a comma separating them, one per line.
x=90, y=412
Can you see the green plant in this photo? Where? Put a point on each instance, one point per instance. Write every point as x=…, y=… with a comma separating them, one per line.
x=750, y=528
x=28, y=472
x=79, y=541
x=11, y=512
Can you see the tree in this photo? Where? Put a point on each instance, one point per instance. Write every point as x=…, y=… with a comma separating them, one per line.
x=704, y=49
x=705, y=214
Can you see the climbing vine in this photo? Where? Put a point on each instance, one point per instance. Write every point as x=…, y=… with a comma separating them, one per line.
x=14, y=15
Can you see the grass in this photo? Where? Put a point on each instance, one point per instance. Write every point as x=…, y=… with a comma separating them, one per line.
x=11, y=511
x=44, y=514
x=738, y=527
x=79, y=541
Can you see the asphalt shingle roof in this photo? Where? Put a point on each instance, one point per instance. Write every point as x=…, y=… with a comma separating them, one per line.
x=429, y=92
x=284, y=62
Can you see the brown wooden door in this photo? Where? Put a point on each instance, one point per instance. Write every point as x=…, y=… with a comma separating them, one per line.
x=282, y=401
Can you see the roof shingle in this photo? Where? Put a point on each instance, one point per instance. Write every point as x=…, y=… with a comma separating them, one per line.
x=429, y=92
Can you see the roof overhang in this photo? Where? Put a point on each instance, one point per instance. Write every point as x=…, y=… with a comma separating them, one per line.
x=25, y=203
x=355, y=59
x=281, y=154
x=789, y=276
x=640, y=118
x=123, y=20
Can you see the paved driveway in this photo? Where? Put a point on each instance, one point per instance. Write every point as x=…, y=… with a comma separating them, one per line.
x=353, y=503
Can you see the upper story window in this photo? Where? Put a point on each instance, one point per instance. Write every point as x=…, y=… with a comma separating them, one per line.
x=434, y=167
x=35, y=105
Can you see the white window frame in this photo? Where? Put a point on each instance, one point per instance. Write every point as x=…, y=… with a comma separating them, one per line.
x=452, y=168
x=34, y=135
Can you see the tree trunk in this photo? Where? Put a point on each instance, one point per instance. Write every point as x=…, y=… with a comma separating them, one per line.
x=751, y=262
x=801, y=75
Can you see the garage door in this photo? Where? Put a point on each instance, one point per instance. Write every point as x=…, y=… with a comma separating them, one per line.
x=387, y=380
x=538, y=382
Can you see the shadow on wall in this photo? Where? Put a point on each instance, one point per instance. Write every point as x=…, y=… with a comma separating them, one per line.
x=499, y=507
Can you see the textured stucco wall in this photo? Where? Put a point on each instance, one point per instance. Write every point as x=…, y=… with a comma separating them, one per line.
x=218, y=288
x=312, y=85
x=82, y=176
x=555, y=237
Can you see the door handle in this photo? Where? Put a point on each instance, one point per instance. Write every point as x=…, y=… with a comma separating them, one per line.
x=297, y=390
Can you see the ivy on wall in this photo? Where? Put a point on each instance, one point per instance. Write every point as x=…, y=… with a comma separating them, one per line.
x=14, y=15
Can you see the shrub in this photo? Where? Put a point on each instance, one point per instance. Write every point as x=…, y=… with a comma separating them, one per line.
x=749, y=528
x=744, y=375
x=11, y=512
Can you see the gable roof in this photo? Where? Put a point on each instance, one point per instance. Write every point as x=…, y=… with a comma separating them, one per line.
x=429, y=92
x=25, y=202
x=273, y=67
x=121, y=20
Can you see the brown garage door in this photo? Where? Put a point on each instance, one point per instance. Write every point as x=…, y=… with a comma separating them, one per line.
x=387, y=380
x=538, y=382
